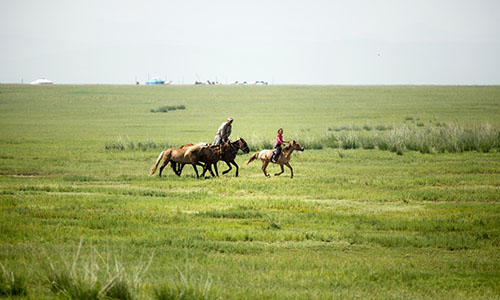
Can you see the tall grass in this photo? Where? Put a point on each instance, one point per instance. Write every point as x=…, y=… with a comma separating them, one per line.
x=97, y=277
x=167, y=108
x=12, y=284
x=186, y=288
x=128, y=144
x=450, y=138
x=256, y=143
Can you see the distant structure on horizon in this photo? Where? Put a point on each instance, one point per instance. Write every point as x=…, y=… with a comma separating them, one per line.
x=42, y=81
x=155, y=81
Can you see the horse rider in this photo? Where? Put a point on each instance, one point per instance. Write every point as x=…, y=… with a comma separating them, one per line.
x=277, y=147
x=223, y=132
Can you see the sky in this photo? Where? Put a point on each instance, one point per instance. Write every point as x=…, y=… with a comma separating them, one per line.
x=282, y=42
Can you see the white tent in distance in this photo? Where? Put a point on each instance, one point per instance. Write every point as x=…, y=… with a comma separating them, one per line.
x=42, y=81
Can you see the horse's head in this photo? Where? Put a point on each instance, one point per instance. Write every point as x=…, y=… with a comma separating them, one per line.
x=296, y=146
x=243, y=145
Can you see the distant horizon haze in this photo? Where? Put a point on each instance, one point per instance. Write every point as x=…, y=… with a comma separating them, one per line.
x=281, y=42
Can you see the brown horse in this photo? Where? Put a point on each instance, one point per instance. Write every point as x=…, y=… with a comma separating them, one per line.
x=229, y=153
x=284, y=158
x=190, y=155
x=209, y=158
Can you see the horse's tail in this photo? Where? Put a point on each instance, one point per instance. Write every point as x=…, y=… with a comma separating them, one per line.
x=252, y=158
x=153, y=169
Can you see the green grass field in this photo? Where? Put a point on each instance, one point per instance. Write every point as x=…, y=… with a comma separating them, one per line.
x=80, y=218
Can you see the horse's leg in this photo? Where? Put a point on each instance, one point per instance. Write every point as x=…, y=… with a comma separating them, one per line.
x=207, y=166
x=290, y=167
x=204, y=166
x=230, y=168
x=163, y=166
x=174, y=167
x=237, y=168
x=195, y=170
x=179, y=169
x=210, y=169
x=264, y=166
x=216, y=171
x=282, y=170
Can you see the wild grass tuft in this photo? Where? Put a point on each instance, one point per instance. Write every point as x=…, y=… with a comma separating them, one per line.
x=367, y=142
x=186, y=288
x=273, y=223
x=384, y=127
x=164, y=109
x=311, y=143
x=12, y=284
x=232, y=214
x=97, y=277
x=120, y=145
x=349, y=140
x=116, y=145
x=330, y=141
x=259, y=143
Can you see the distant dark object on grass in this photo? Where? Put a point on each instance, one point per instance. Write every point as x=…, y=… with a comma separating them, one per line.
x=384, y=127
x=165, y=109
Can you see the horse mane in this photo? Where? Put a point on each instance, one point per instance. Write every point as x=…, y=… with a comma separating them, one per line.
x=287, y=147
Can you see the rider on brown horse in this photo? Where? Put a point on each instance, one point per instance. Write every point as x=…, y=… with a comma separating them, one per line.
x=277, y=147
x=223, y=132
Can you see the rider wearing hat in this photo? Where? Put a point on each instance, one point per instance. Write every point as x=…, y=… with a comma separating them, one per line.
x=223, y=132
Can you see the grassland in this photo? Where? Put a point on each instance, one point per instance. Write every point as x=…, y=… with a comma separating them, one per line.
x=80, y=218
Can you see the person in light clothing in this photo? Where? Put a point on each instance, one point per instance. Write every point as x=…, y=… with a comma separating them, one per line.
x=223, y=132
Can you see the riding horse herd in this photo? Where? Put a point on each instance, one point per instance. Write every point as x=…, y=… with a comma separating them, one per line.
x=206, y=156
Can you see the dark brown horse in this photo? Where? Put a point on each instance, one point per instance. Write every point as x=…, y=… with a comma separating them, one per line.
x=230, y=151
